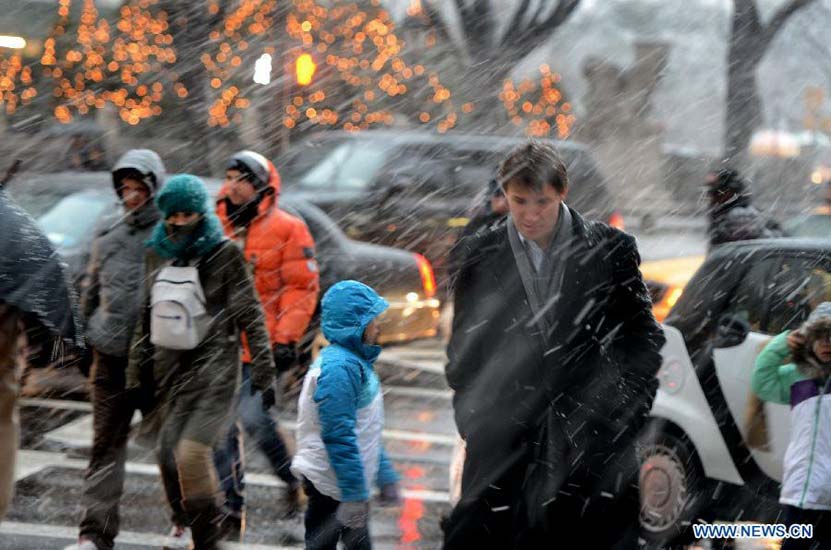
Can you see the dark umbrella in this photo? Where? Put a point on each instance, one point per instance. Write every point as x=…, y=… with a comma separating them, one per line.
x=32, y=278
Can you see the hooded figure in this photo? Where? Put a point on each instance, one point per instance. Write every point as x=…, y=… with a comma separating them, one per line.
x=110, y=289
x=192, y=393
x=795, y=369
x=732, y=217
x=280, y=250
x=110, y=301
x=340, y=452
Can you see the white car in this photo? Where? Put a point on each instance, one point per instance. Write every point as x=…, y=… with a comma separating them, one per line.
x=712, y=449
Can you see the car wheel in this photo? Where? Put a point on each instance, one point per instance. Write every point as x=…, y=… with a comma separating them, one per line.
x=672, y=490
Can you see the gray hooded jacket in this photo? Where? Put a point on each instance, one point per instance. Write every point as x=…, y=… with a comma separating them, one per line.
x=111, y=288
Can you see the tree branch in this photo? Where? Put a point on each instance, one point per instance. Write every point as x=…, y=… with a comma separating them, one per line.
x=513, y=28
x=559, y=16
x=466, y=17
x=746, y=11
x=483, y=27
x=435, y=22
x=781, y=17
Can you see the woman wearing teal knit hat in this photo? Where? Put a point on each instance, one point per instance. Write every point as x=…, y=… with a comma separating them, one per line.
x=188, y=384
x=189, y=228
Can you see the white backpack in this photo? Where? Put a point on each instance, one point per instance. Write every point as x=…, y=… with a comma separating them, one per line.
x=178, y=318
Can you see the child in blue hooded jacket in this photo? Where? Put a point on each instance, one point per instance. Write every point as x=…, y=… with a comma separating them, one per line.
x=340, y=452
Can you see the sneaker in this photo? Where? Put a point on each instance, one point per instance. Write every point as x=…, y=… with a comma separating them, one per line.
x=82, y=544
x=179, y=538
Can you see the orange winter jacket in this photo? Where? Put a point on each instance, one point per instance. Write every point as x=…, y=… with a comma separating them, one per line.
x=280, y=250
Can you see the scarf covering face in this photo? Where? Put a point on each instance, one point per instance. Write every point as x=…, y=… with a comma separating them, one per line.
x=244, y=214
x=189, y=243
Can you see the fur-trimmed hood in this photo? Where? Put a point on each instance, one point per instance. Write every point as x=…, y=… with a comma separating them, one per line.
x=806, y=361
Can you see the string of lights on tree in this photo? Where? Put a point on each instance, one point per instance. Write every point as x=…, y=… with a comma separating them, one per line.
x=364, y=78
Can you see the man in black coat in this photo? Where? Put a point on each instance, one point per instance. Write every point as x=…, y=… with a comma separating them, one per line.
x=553, y=358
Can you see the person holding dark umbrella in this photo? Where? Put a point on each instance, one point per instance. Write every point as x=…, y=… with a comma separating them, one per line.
x=33, y=289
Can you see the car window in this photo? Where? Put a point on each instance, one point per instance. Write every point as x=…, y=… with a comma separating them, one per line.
x=798, y=286
x=303, y=156
x=71, y=222
x=748, y=300
x=349, y=165
x=814, y=226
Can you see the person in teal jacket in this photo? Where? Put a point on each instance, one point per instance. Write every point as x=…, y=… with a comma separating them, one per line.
x=795, y=369
x=340, y=451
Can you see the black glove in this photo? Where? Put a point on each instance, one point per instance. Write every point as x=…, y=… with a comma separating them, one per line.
x=140, y=398
x=269, y=398
x=285, y=357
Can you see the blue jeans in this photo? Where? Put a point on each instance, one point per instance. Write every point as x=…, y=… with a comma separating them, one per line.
x=262, y=428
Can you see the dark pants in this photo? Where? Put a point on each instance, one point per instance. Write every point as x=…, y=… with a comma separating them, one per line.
x=495, y=521
x=820, y=519
x=323, y=530
x=104, y=478
x=262, y=428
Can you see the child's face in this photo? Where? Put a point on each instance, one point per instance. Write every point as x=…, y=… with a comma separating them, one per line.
x=822, y=349
x=373, y=329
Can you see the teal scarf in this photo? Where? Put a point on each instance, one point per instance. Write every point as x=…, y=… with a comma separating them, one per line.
x=206, y=237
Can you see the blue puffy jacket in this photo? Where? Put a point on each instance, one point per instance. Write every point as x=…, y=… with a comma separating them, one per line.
x=340, y=412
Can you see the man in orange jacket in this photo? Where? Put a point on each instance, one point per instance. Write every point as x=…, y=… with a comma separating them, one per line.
x=280, y=251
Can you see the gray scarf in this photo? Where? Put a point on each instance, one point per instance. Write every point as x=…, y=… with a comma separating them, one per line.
x=543, y=288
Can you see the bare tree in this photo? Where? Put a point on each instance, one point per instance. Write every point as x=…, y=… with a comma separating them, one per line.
x=750, y=39
x=191, y=24
x=492, y=53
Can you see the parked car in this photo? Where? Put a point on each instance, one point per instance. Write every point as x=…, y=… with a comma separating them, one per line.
x=697, y=460
x=405, y=279
x=417, y=190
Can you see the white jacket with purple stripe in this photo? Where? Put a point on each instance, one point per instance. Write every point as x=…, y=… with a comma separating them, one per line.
x=806, y=482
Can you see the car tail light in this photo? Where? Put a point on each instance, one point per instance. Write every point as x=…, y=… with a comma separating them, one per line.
x=428, y=279
x=616, y=221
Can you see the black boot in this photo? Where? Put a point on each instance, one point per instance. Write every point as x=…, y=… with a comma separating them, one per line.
x=205, y=518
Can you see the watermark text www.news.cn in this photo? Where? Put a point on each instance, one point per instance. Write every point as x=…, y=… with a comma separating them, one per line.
x=752, y=531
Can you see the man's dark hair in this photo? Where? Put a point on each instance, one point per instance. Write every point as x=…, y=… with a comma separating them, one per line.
x=532, y=166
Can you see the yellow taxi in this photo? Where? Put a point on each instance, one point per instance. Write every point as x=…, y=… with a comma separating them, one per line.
x=666, y=280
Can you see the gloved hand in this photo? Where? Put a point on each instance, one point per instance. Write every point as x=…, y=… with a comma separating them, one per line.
x=140, y=398
x=353, y=515
x=269, y=398
x=285, y=356
x=389, y=495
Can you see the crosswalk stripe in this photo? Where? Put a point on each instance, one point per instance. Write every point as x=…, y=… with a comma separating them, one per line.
x=32, y=462
x=406, y=391
x=60, y=404
x=124, y=537
x=78, y=434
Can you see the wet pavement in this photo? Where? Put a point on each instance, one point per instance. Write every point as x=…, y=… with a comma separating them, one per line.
x=419, y=436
